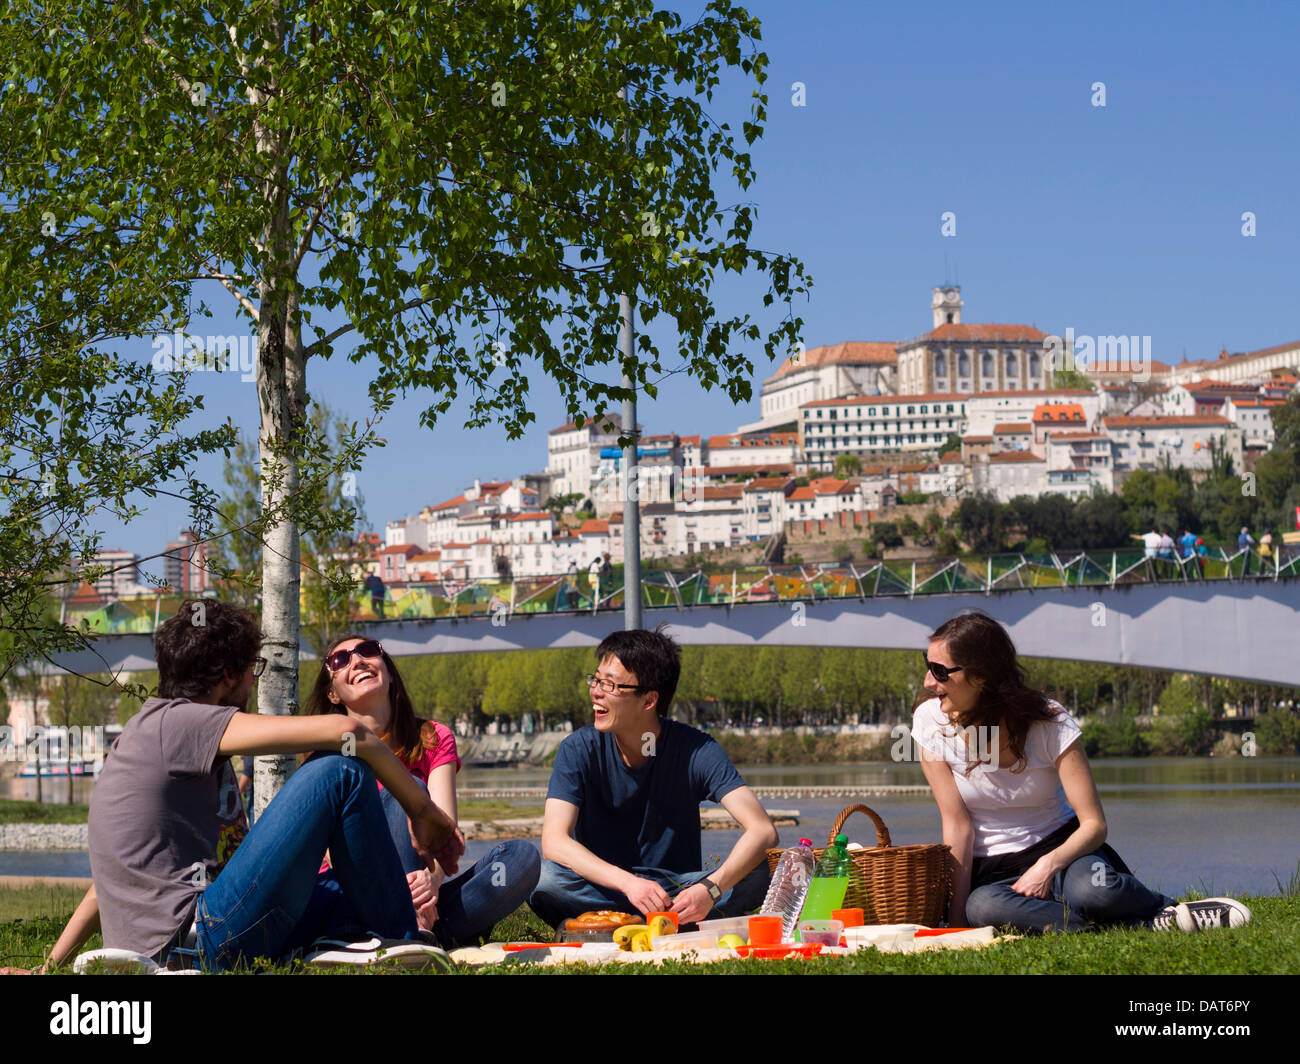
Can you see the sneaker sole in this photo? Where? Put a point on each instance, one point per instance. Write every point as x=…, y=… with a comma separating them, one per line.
x=400, y=954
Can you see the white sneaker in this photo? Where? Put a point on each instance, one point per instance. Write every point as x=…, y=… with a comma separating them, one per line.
x=114, y=961
x=1166, y=919
x=400, y=953
x=1212, y=912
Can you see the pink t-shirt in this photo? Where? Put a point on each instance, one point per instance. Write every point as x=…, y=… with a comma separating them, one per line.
x=439, y=748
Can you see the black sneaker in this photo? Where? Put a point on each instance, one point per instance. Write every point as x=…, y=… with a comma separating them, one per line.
x=399, y=953
x=1212, y=912
x=1166, y=919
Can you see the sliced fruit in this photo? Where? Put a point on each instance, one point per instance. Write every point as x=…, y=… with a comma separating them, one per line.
x=730, y=941
x=641, y=941
x=661, y=925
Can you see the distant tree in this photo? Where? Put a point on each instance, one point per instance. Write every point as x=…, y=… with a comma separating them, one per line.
x=885, y=535
x=842, y=553
x=981, y=519
x=952, y=443
x=848, y=465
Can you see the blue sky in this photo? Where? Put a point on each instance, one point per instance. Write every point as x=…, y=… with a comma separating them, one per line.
x=1122, y=219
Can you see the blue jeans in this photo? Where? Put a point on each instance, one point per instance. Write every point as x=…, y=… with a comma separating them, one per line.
x=472, y=903
x=1088, y=891
x=268, y=900
x=561, y=893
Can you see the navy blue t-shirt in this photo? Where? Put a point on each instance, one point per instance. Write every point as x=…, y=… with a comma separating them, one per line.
x=648, y=816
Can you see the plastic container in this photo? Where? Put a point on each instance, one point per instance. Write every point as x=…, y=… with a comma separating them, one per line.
x=789, y=888
x=682, y=943
x=730, y=925
x=830, y=881
x=887, y=938
x=824, y=932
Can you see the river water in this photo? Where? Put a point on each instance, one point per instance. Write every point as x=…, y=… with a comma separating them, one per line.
x=1218, y=826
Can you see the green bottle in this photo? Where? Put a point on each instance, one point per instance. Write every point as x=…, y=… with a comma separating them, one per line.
x=830, y=882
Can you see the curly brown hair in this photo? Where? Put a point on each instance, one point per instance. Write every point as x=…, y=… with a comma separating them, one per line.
x=206, y=640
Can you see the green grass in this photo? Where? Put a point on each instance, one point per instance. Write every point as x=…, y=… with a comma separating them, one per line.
x=31, y=919
x=16, y=812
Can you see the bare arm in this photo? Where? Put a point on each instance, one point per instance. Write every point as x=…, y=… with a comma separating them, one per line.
x=559, y=820
x=693, y=904
x=434, y=834
x=958, y=831
x=1081, y=793
x=83, y=923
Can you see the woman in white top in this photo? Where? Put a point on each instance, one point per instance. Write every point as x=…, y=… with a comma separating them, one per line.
x=1019, y=805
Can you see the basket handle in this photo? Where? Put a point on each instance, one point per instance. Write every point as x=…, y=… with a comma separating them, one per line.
x=882, y=832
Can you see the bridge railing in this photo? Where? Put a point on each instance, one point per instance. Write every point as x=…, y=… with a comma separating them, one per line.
x=496, y=599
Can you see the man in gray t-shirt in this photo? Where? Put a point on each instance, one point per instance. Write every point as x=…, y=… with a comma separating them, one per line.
x=162, y=799
x=166, y=824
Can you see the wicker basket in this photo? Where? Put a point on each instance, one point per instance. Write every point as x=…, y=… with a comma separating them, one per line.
x=891, y=884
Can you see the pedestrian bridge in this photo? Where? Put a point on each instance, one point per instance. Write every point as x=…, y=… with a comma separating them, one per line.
x=1208, y=615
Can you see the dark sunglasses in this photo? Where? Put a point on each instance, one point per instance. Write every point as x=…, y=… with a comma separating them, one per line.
x=367, y=648
x=940, y=672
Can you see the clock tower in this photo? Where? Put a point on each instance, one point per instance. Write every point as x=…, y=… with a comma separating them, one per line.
x=946, y=305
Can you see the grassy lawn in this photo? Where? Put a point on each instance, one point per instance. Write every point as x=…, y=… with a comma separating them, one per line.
x=16, y=812
x=31, y=919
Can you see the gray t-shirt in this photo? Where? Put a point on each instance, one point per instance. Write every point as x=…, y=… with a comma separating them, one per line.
x=165, y=816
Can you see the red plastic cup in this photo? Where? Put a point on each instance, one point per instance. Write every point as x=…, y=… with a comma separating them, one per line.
x=764, y=930
x=848, y=917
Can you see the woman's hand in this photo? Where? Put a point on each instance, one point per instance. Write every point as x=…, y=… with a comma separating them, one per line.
x=1037, y=881
x=424, y=897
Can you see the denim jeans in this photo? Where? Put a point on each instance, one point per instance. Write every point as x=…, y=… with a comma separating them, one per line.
x=471, y=903
x=268, y=900
x=1088, y=891
x=561, y=893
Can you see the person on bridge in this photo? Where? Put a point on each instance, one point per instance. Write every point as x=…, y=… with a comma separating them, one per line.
x=621, y=827
x=1018, y=802
x=359, y=679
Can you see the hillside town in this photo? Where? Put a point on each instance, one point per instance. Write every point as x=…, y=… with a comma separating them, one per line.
x=846, y=431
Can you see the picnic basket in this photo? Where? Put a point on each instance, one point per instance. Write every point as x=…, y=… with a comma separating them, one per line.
x=891, y=884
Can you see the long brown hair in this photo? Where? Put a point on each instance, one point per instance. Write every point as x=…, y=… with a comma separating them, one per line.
x=981, y=646
x=403, y=725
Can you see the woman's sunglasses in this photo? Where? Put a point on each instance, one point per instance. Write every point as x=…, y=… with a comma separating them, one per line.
x=940, y=672
x=367, y=648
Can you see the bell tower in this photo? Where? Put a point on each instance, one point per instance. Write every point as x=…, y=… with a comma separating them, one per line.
x=946, y=305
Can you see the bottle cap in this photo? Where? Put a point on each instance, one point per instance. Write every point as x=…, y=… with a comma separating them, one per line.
x=841, y=840
x=805, y=842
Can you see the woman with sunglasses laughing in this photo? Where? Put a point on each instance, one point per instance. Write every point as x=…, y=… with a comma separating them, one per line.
x=1018, y=801
x=358, y=677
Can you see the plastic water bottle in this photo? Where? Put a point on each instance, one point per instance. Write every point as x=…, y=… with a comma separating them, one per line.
x=790, y=882
x=830, y=881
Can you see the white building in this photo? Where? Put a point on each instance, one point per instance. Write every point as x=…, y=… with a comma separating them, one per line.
x=712, y=519
x=1078, y=453
x=874, y=425
x=971, y=359
x=1254, y=416
x=830, y=372
x=1014, y=473
x=763, y=506
x=573, y=453
x=1004, y=407
x=1148, y=442
x=736, y=451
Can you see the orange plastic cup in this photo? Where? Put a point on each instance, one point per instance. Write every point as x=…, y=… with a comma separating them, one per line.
x=672, y=917
x=848, y=917
x=764, y=930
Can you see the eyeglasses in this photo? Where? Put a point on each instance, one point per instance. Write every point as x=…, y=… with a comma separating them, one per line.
x=259, y=667
x=367, y=648
x=608, y=686
x=940, y=672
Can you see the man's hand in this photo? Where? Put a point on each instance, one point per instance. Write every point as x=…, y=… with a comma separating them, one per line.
x=647, y=895
x=693, y=904
x=437, y=839
x=424, y=897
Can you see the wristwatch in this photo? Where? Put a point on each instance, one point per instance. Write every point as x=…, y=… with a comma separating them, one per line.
x=715, y=891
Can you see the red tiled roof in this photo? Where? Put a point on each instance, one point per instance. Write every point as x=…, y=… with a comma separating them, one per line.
x=1059, y=413
x=1030, y=392
x=977, y=439
x=1077, y=436
x=409, y=549
x=832, y=486
x=691, y=440
x=804, y=494
x=849, y=353
x=724, y=491
x=735, y=441
x=530, y=517
x=1120, y=366
x=459, y=500
x=984, y=333
x=713, y=472
x=1015, y=457
x=1007, y=428
x=1207, y=385
x=950, y=458
x=612, y=423
x=767, y=484
x=1127, y=421
x=591, y=526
